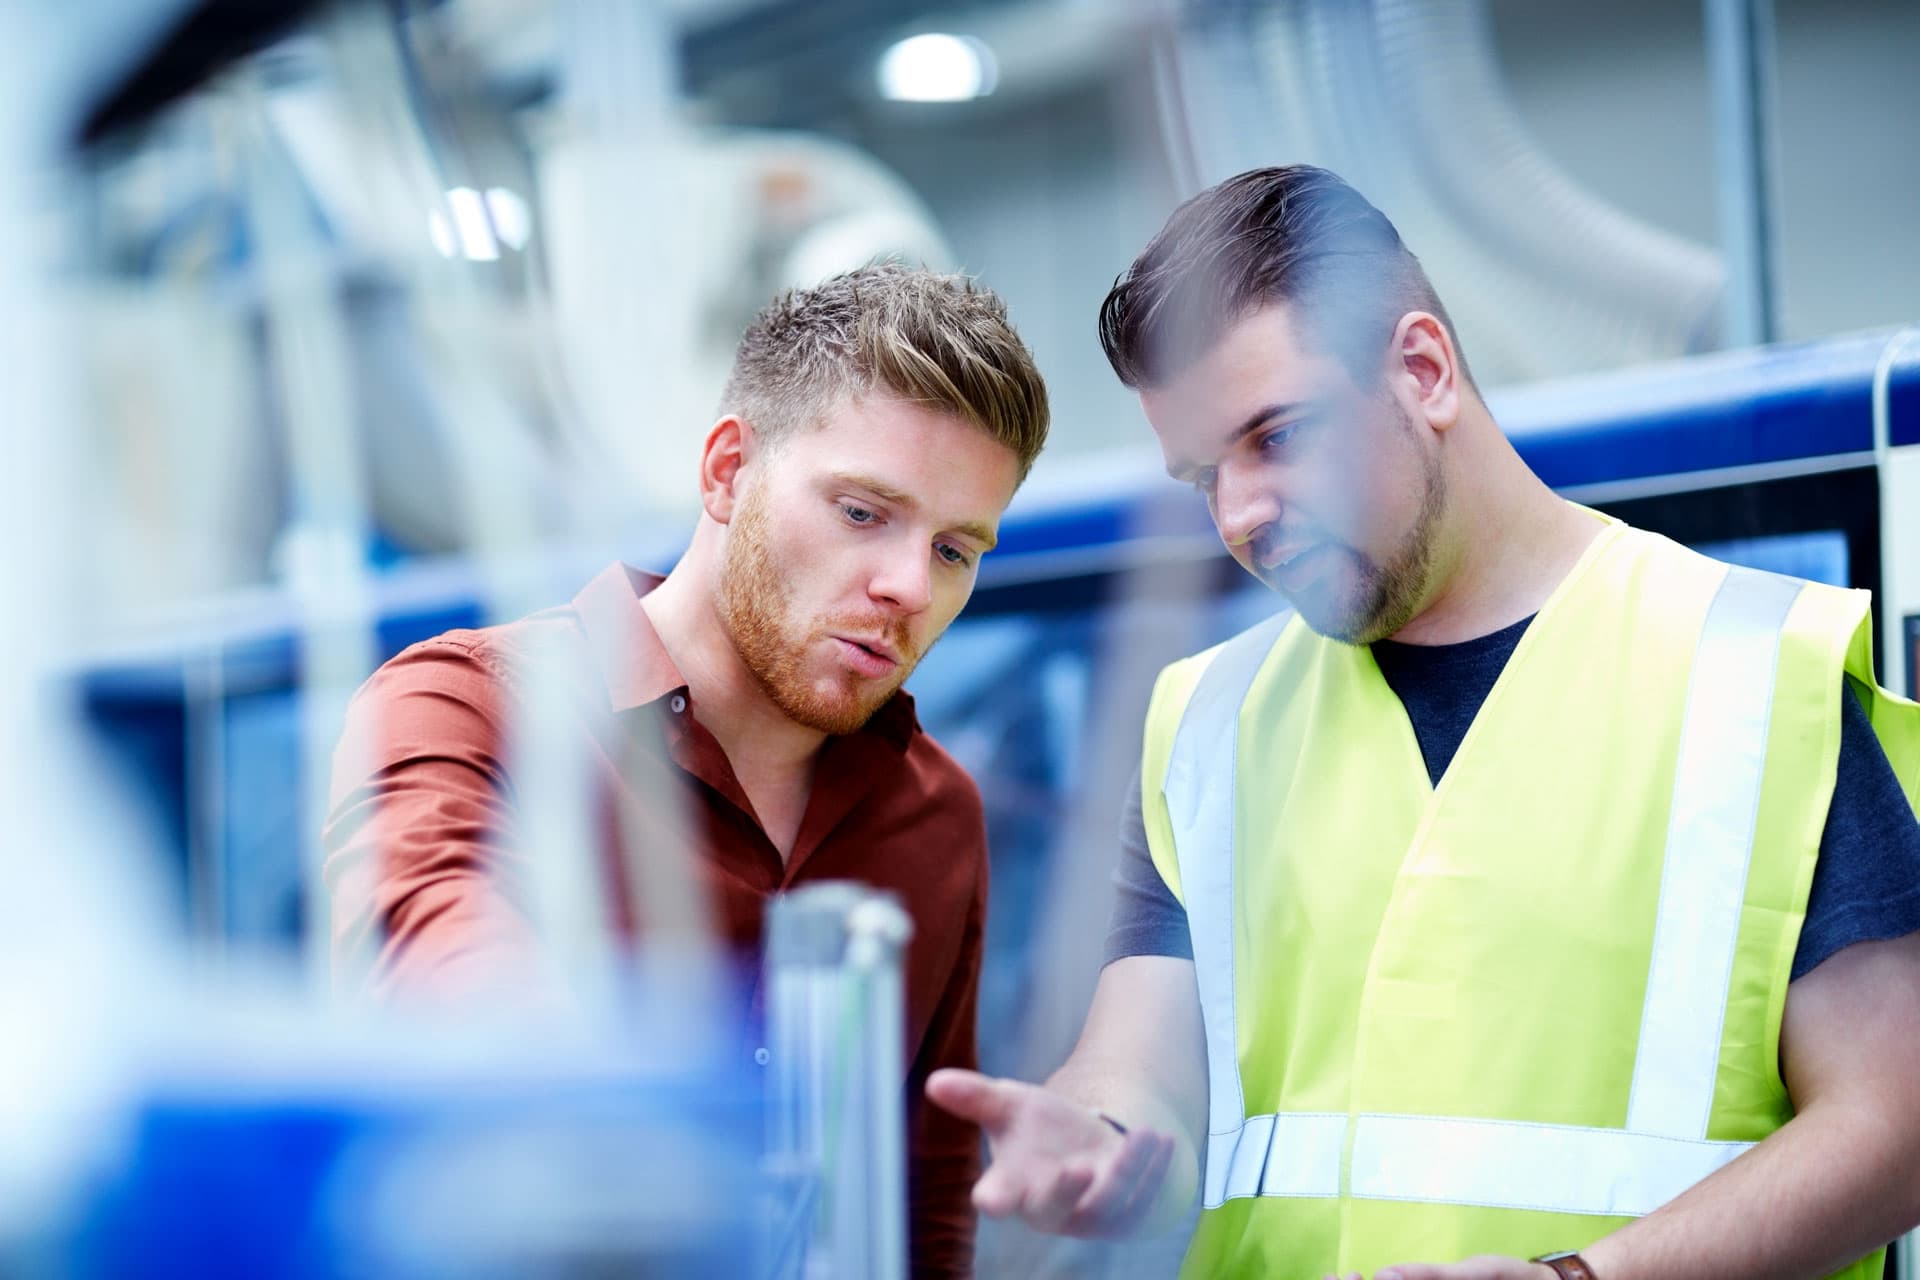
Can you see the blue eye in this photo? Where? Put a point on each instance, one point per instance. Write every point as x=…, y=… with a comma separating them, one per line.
x=1277, y=437
x=952, y=554
x=858, y=515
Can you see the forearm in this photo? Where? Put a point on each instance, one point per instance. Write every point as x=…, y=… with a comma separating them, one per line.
x=421, y=913
x=1838, y=1181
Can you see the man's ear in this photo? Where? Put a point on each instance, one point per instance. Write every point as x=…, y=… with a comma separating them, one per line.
x=1428, y=367
x=729, y=448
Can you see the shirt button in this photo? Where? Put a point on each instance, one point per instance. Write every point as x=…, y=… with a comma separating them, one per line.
x=761, y=1057
x=679, y=703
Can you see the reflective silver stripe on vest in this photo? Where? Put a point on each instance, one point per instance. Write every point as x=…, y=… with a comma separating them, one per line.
x=1200, y=807
x=1703, y=881
x=1499, y=1163
x=1296, y=1154
x=1555, y=1168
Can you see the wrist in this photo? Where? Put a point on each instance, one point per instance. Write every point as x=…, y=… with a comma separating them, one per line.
x=1564, y=1265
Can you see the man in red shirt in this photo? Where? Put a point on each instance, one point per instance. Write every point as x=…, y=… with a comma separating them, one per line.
x=744, y=713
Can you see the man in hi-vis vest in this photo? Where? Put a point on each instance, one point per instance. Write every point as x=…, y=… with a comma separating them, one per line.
x=1537, y=898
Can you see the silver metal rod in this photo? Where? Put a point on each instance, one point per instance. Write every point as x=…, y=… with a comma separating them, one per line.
x=1740, y=68
x=1890, y=591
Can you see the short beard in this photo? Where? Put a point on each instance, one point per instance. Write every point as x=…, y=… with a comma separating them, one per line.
x=755, y=609
x=1390, y=595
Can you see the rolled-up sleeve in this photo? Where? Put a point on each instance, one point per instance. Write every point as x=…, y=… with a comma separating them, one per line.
x=422, y=866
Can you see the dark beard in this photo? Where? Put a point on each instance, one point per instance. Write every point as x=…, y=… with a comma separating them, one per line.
x=1391, y=594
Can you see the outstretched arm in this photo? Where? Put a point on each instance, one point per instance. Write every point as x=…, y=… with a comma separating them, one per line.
x=1141, y=1060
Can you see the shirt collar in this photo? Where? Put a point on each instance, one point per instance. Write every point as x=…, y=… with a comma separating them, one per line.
x=635, y=667
x=633, y=663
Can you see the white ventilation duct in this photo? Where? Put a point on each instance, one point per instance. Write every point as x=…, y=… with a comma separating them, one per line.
x=1405, y=99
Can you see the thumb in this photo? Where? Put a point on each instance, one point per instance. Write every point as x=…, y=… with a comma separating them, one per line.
x=968, y=1094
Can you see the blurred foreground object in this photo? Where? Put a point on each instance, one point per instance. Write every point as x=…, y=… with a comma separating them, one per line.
x=346, y=1154
x=833, y=1005
x=240, y=357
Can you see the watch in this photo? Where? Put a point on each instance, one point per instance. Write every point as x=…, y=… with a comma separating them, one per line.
x=1568, y=1265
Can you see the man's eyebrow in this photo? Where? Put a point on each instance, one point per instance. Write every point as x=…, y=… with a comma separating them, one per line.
x=986, y=537
x=884, y=492
x=980, y=533
x=1183, y=471
x=1261, y=417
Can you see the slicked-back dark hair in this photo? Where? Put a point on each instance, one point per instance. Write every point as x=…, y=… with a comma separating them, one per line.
x=1297, y=235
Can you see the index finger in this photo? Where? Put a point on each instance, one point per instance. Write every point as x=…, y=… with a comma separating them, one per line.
x=972, y=1096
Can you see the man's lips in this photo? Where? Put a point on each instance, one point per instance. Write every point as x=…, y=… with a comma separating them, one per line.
x=873, y=659
x=879, y=647
x=1281, y=557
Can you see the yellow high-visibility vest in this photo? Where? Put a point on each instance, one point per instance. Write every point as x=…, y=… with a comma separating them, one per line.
x=1510, y=1013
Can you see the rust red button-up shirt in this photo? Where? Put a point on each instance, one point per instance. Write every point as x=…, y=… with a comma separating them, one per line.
x=427, y=869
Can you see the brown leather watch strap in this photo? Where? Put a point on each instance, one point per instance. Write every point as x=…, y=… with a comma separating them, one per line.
x=1568, y=1266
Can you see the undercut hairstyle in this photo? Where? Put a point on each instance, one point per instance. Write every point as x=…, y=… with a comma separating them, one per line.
x=933, y=339
x=1297, y=235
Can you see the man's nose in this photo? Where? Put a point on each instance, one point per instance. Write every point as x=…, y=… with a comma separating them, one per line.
x=903, y=579
x=1242, y=505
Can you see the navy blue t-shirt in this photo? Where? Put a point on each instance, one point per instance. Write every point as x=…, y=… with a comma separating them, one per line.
x=1866, y=885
